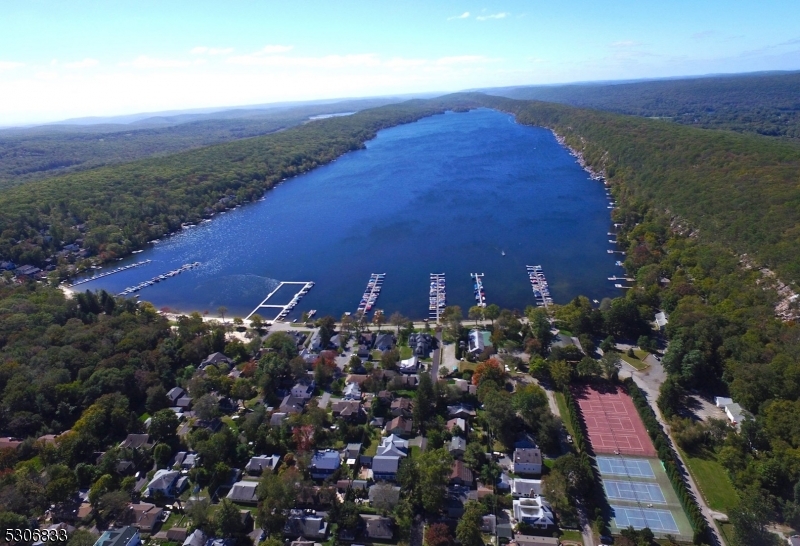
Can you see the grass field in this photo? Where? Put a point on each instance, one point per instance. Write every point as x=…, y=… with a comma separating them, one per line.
x=637, y=361
x=572, y=536
x=562, y=409
x=406, y=352
x=713, y=481
x=727, y=532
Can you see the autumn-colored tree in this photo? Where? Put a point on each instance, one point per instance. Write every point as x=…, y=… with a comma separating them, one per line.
x=491, y=370
x=303, y=437
x=438, y=534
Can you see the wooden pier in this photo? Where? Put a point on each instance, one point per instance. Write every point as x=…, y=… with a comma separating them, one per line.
x=437, y=296
x=480, y=295
x=370, y=296
x=158, y=278
x=107, y=273
x=541, y=290
x=287, y=307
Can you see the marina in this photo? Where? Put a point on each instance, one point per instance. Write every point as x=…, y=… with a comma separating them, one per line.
x=107, y=273
x=541, y=290
x=480, y=295
x=372, y=292
x=284, y=309
x=157, y=279
x=437, y=296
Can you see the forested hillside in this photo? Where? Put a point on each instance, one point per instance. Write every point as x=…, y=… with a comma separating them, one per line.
x=767, y=104
x=739, y=190
x=38, y=152
x=114, y=210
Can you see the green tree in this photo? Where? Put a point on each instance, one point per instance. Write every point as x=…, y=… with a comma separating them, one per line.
x=227, y=519
x=434, y=469
x=164, y=426
x=468, y=531
x=475, y=313
x=156, y=399
x=161, y=454
x=671, y=397
x=276, y=494
x=589, y=367
x=492, y=312
x=425, y=402
x=611, y=364
x=561, y=372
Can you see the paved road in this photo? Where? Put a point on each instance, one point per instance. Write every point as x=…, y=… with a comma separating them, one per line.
x=437, y=357
x=650, y=380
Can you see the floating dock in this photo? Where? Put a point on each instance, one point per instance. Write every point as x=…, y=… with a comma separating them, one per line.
x=284, y=309
x=480, y=295
x=107, y=273
x=541, y=290
x=374, y=287
x=437, y=296
x=158, y=278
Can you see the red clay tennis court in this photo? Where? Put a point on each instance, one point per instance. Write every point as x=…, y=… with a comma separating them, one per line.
x=612, y=423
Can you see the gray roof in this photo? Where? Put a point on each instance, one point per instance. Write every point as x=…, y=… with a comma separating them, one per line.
x=243, y=491
x=262, y=462
x=377, y=527
x=326, y=460
x=117, y=537
x=198, y=538
x=385, y=464
x=458, y=443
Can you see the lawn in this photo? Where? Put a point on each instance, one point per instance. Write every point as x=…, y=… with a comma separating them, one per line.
x=571, y=535
x=727, y=532
x=562, y=409
x=713, y=481
x=405, y=352
x=636, y=361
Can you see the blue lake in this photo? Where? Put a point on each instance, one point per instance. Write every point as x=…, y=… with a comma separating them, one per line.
x=447, y=194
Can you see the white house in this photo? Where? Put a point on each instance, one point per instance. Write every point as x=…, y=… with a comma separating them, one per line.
x=527, y=461
x=409, y=365
x=303, y=389
x=722, y=401
x=169, y=483
x=534, y=511
x=521, y=487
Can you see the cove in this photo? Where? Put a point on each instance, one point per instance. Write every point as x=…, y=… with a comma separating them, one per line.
x=456, y=193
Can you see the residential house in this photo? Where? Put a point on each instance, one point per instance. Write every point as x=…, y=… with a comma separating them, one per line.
x=533, y=511
x=299, y=524
x=661, y=320
x=466, y=386
x=377, y=527
x=384, y=494
x=409, y=365
x=349, y=410
x=362, y=352
x=216, y=359
x=722, y=401
x=315, y=344
x=183, y=460
x=385, y=467
x=324, y=464
x=521, y=487
x=475, y=344
x=169, y=483
x=277, y=419
x=401, y=407
x=145, y=516
x=458, y=423
x=257, y=465
x=243, y=492
x=530, y=540
x=136, y=441
x=399, y=426
x=457, y=447
x=57, y=529
x=304, y=389
x=384, y=342
x=421, y=344
x=461, y=474
x=292, y=404
x=174, y=394
x=351, y=453
x=460, y=410
x=735, y=414
x=456, y=497
x=393, y=445
x=527, y=461
x=489, y=524
x=197, y=538
x=352, y=391
x=125, y=536
x=177, y=534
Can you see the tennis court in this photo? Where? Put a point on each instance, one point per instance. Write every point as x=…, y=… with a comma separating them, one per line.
x=639, y=518
x=612, y=423
x=634, y=491
x=623, y=466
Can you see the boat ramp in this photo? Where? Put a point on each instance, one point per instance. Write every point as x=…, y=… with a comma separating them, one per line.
x=480, y=295
x=284, y=309
x=437, y=296
x=371, y=294
x=541, y=290
x=107, y=273
x=158, y=278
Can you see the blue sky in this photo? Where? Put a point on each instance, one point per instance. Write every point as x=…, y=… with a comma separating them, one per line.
x=94, y=58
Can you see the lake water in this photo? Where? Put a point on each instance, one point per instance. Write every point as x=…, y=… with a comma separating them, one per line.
x=449, y=193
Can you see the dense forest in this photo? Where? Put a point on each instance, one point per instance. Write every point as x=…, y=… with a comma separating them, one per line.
x=114, y=210
x=38, y=152
x=763, y=103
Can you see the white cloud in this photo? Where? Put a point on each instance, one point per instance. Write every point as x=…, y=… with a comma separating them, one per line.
x=86, y=63
x=324, y=62
x=626, y=43
x=501, y=15
x=462, y=59
x=464, y=15
x=143, y=61
x=203, y=50
x=8, y=65
x=271, y=49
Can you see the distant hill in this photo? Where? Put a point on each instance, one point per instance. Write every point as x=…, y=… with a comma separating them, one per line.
x=763, y=103
x=48, y=150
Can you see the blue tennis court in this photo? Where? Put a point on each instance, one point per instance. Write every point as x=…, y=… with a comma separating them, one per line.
x=634, y=491
x=639, y=518
x=622, y=466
